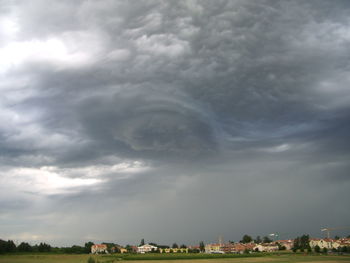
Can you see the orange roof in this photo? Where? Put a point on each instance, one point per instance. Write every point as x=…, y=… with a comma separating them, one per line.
x=100, y=245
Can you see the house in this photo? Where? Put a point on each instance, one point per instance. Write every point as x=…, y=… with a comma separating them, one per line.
x=123, y=250
x=242, y=247
x=324, y=243
x=119, y=249
x=133, y=249
x=99, y=248
x=213, y=249
x=194, y=248
x=228, y=248
x=146, y=248
x=288, y=243
x=266, y=247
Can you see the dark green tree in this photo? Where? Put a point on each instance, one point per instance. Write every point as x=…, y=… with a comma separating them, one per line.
x=43, y=247
x=246, y=239
x=183, y=246
x=24, y=247
x=258, y=240
x=305, y=241
x=142, y=242
x=266, y=239
x=11, y=247
x=296, y=243
x=345, y=249
x=128, y=248
x=175, y=245
x=201, y=246
x=3, y=246
x=325, y=250
x=317, y=249
x=87, y=247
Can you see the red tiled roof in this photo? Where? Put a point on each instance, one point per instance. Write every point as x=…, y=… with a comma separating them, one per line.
x=100, y=245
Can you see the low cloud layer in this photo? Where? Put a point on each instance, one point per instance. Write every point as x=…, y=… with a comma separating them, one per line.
x=195, y=118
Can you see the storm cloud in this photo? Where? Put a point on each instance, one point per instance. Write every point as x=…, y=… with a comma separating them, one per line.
x=193, y=118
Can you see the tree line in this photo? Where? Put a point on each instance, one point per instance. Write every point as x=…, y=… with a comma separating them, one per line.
x=10, y=247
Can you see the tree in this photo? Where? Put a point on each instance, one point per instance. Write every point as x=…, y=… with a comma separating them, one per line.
x=10, y=247
x=142, y=242
x=302, y=243
x=201, y=246
x=87, y=247
x=317, y=249
x=305, y=241
x=345, y=249
x=324, y=250
x=246, y=239
x=258, y=240
x=336, y=237
x=3, y=246
x=281, y=247
x=129, y=248
x=175, y=246
x=43, y=247
x=24, y=247
x=266, y=239
x=296, y=243
x=183, y=246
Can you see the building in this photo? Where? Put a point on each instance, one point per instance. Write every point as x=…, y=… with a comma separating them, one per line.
x=123, y=250
x=266, y=247
x=119, y=249
x=213, y=249
x=229, y=248
x=324, y=243
x=288, y=243
x=146, y=248
x=99, y=248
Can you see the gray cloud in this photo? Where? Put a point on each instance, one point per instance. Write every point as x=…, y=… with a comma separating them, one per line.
x=201, y=118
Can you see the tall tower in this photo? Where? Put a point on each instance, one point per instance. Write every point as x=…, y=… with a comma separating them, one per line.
x=220, y=241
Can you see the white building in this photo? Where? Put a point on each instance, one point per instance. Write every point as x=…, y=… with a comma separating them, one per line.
x=146, y=248
x=99, y=248
x=324, y=243
x=268, y=247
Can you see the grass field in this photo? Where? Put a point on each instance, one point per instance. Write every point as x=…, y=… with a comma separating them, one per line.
x=283, y=258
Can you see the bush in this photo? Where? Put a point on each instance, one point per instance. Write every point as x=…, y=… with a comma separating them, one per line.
x=91, y=260
x=317, y=249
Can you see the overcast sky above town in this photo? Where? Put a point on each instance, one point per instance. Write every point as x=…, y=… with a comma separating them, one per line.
x=173, y=121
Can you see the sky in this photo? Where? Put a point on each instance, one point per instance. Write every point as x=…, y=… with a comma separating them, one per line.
x=173, y=121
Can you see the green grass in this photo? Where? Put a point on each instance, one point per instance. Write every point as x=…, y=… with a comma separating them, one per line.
x=176, y=258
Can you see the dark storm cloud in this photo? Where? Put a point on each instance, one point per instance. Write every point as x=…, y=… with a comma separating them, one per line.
x=228, y=107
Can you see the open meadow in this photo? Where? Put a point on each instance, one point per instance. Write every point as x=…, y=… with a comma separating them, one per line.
x=64, y=258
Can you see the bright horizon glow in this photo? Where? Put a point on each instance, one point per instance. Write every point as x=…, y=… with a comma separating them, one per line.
x=52, y=50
